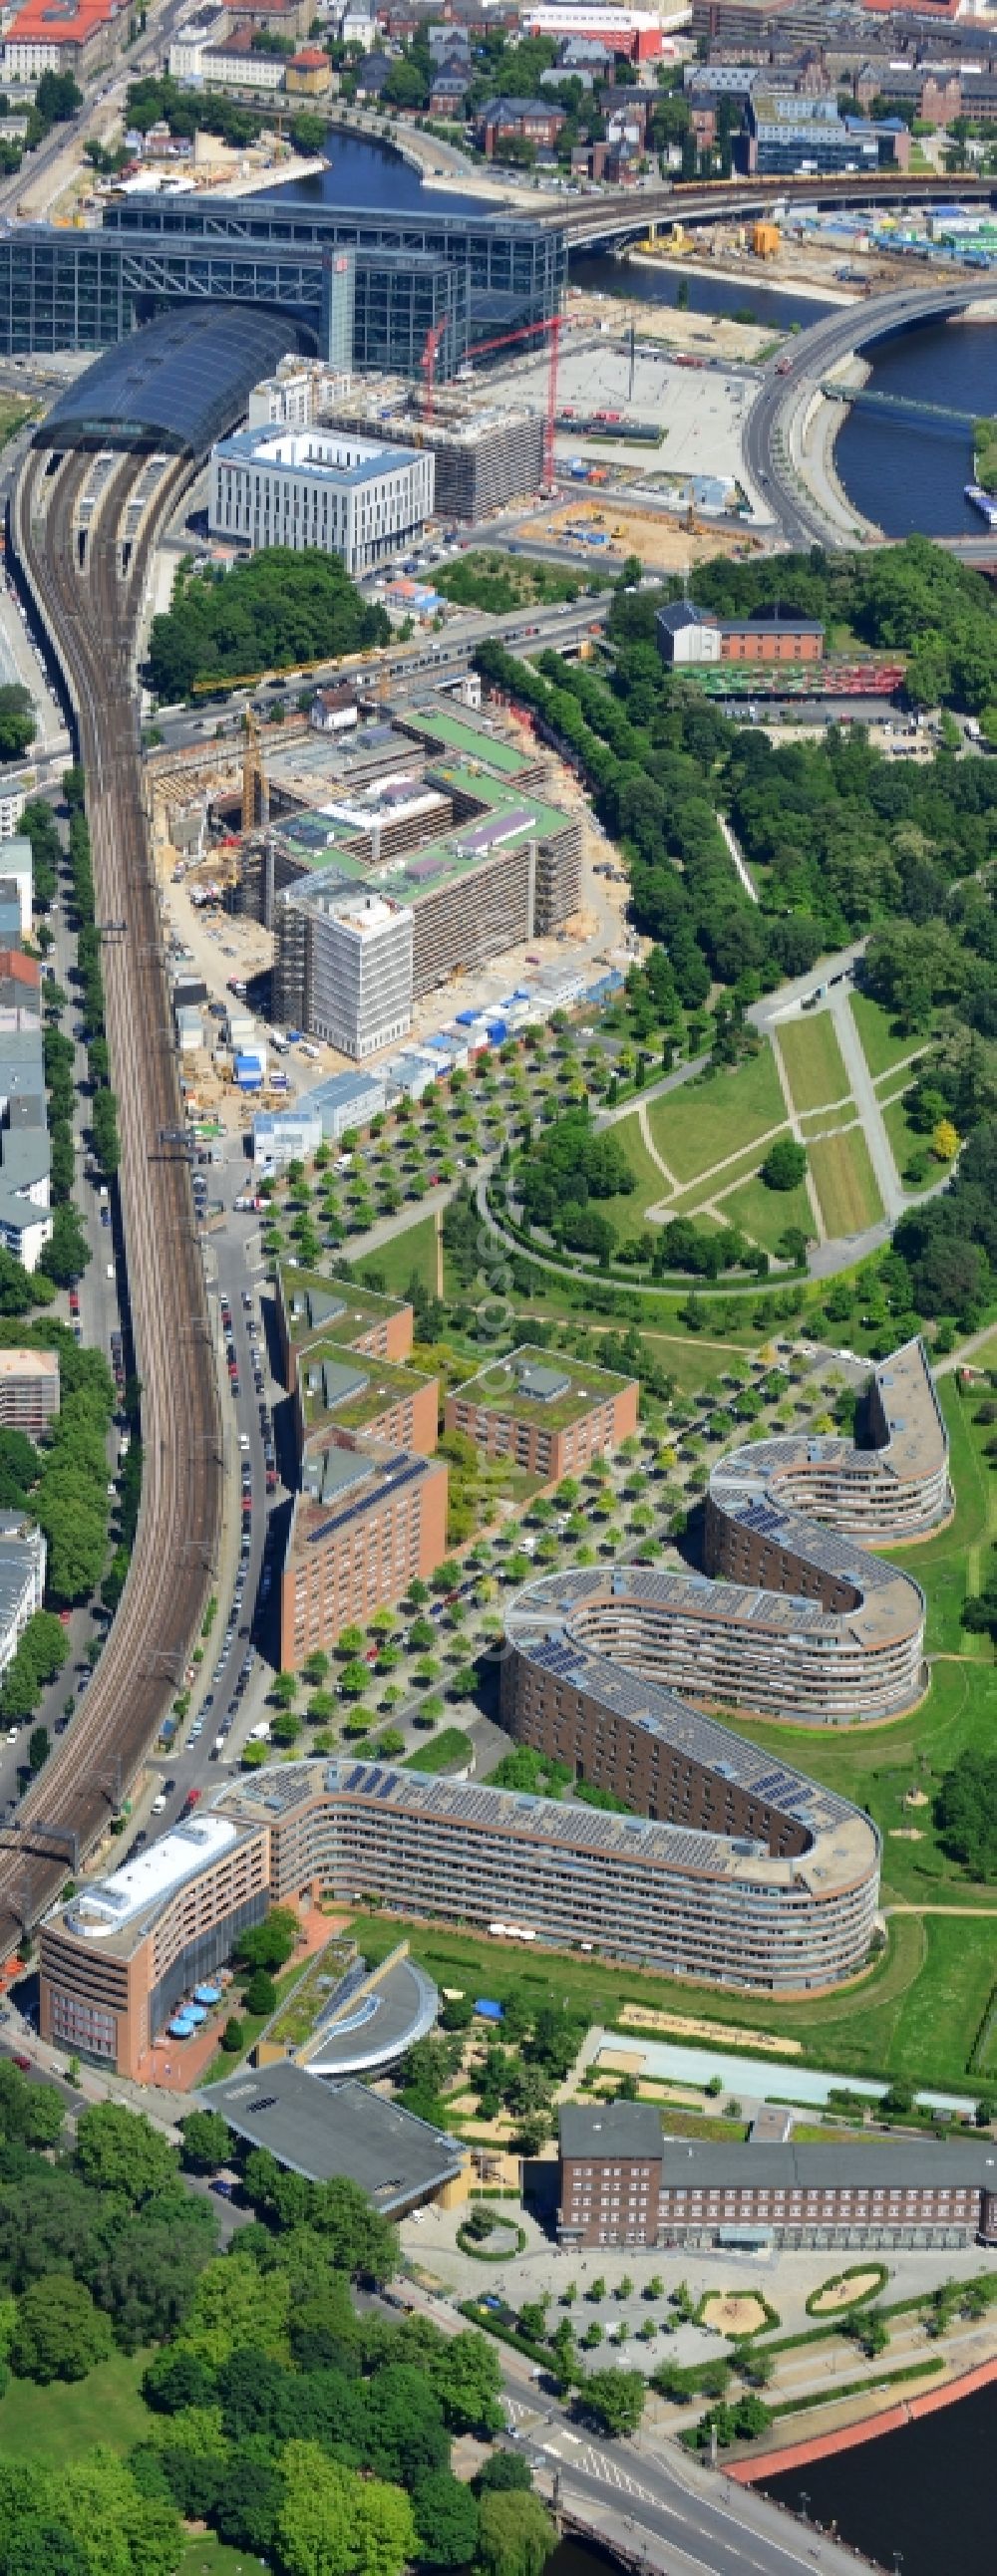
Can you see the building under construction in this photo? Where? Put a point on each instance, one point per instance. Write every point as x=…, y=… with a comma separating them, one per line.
x=487, y=453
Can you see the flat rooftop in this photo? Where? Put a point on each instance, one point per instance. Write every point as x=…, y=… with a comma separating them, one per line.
x=329, y=2131
x=336, y=1309
x=467, y=741
x=325, y=455
x=350, y=1393
x=111, y=1905
x=534, y=1386
x=18, y=1364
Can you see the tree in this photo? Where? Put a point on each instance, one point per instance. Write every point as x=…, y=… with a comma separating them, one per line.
x=515, y=2533
x=446, y=2520
x=504, y=2470
x=119, y=2150
x=207, y=2141
x=945, y=1141
x=39, y=1747
x=332, y=2523
x=785, y=1165
x=269, y=1944
x=614, y=2400
x=260, y=1996
x=59, y=2334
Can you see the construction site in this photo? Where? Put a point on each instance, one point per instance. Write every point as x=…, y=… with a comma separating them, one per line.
x=487, y=453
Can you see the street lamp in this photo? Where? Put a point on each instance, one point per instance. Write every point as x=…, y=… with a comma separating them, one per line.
x=804, y=2504
x=898, y=2560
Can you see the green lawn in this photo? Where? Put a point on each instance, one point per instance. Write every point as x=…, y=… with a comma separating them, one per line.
x=207, y=2556
x=951, y=1564
x=845, y=1183
x=743, y=1168
x=707, y=1120
x=395, y=1261
x=883, y=1046
x=627, y=1214
x=853, y=2030
x=692, y=1363
x=55, y=2424
x=904, y=1143
x=448, y=1751
x=813, y=1061
x=765, y=1214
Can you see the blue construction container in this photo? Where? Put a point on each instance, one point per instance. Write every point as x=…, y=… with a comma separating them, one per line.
x=496, y=1032
x=488, y=2011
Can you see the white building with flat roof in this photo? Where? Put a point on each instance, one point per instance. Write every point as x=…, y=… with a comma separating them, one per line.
x=321, y=489
x=359, y=973
x=29, y=1390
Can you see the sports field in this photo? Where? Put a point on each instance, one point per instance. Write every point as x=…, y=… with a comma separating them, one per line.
x=845, y=1182
x=813, y=1060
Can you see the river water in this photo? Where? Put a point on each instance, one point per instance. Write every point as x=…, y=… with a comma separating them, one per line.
x=902, y=475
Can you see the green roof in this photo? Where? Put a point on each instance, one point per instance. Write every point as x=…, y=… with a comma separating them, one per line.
x=466, y=740
x=384, y=1382
x=360, y=1307
x=566, y=1388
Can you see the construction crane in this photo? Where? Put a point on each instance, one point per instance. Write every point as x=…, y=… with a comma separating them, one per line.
x=504, y=340
x=253, y=768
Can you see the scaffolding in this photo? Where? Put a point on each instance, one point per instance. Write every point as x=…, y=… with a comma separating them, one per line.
x=487, y=453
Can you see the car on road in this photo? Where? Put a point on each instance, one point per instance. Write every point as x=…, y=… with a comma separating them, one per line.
x=22, y=2062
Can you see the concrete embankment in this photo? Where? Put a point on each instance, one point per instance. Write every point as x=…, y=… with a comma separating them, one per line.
x=888, y=2418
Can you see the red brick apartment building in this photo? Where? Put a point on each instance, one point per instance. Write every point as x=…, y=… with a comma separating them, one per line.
x=380, y=1519
x=313, y=1309
x=548, y=1413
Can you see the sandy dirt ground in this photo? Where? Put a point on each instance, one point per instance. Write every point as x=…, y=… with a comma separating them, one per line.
x=734, y=2316
x=845, y=2294
x=685, y=2026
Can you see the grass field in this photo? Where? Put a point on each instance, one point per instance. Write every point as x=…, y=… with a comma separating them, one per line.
x=845, y=1182
x=705, y=1121
x=627, y=1214
x=501, y=582
x=765, y=1214
x=55, y=2424
x=882, y=1045
x=904, y=1143
x=870, y=2027
x=207, y=2556
x=414, y=1250
x=813, y=1061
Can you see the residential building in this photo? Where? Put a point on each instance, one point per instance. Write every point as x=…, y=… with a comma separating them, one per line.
x=312, y=1309
x=20, y=990
x=16, y=875
x=380, y=1521
x=233, y=63
x=29, y=1390
x=25, y=1156
x=353, y=498
x=334, y=711
x=518, y=120
x=354, y=968
x=14, y=793
x=622, y=2183
x=309, y=73
x=688, y=636
x=549, y=1414
x=22, y=1580
x=346, y=1400
x=449, y=91
x=207, y=27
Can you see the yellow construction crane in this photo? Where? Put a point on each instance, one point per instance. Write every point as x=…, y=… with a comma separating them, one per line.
x=253, y=769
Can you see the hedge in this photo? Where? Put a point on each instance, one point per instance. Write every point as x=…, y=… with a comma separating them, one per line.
x=855, y=2272
x=482, y=2253
x=489, y=2323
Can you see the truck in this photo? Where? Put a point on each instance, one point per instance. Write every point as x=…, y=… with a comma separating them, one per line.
x=278, y=1040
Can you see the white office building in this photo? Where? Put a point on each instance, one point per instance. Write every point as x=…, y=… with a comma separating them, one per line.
x=321, y=488
x=300, y=389
x=352, y=953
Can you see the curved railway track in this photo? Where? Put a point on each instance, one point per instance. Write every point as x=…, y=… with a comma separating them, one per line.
x=91, y=610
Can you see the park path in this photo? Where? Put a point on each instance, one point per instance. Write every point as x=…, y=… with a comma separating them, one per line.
x=744, y=874
x=868, y=1105
x=644, y=1125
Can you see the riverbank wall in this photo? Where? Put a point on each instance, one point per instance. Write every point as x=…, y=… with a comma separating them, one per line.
x=846, y=2437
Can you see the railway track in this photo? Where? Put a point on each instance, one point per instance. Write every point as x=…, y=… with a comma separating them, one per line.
x=91, y=609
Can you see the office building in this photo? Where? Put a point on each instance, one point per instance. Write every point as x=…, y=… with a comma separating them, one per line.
x=20, y=989
x=788, y=133
x=300, y=390
x=622, y=2183
x=348, y=957
x=485, y=454
x=549, y=1414
x=351, y=497
x=29, y=1390
x=380, y=1520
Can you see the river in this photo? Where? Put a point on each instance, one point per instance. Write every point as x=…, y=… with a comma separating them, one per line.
x=904, y=476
